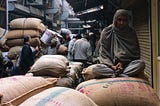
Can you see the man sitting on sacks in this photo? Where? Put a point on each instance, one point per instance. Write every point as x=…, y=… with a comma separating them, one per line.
x=119, y=48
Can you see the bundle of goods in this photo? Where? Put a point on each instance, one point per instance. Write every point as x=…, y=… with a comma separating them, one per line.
x=59, y=96
x=48, y=35
x=124, y=91
x=25, y=26
x=16, y=89
x=50, y=65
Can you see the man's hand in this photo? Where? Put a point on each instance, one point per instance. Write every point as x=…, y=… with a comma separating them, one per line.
x=118, y=68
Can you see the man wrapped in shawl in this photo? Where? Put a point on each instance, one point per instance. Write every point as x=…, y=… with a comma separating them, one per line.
x=119, y=48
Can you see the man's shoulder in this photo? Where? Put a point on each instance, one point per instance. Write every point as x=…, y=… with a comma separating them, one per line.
x=108, y=28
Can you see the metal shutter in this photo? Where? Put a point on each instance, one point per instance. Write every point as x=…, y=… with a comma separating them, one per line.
x=145, y=47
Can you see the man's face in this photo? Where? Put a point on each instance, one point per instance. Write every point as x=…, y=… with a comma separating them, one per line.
x=121, y=22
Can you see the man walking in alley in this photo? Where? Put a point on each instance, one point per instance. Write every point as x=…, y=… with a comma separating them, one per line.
x=82, y=50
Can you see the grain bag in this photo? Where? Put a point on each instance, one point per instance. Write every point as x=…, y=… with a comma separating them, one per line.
x=25, y=23
x=75, y=69
x=49, y=67
x=16, y=89
x=65, y=82
x=61, y=57
x=119, y=92
x=19, y=34
x=62, y=50
x=42, y=28
x=59, y=96
x=14, y=52
x=96, y=71
x=19, y=42
x=88, y=72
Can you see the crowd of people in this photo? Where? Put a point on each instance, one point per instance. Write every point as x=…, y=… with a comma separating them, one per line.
x=116, y=47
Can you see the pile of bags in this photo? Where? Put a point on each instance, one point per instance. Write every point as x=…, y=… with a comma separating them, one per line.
x=24, y=26
x=57, y=66
x=20, y=27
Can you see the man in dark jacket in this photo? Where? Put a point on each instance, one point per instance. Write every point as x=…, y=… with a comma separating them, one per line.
x=26, y=56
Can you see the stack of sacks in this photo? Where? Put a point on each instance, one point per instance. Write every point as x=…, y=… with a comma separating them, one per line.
x=25, y=26
x=3, y=46
x=124, y=91
x=50, y=65
x=16, y=89
x=59, y=96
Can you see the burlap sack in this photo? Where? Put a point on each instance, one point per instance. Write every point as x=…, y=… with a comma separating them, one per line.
x=119, y=92
x=19, y=34
x=76, y=64
x=61, y=57
x=16, y=89
x=25, y=23
x=19, y=42
x=14, y=52
x=59, y=96
x=62, y=50
x=42, y=28
x=65, y=82
x=35, y=42
x=88, y=72
x=49, y=67
x=75, y=69
x=96, y=71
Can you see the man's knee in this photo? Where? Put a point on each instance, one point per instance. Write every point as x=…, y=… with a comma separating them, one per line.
x=141, y=64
